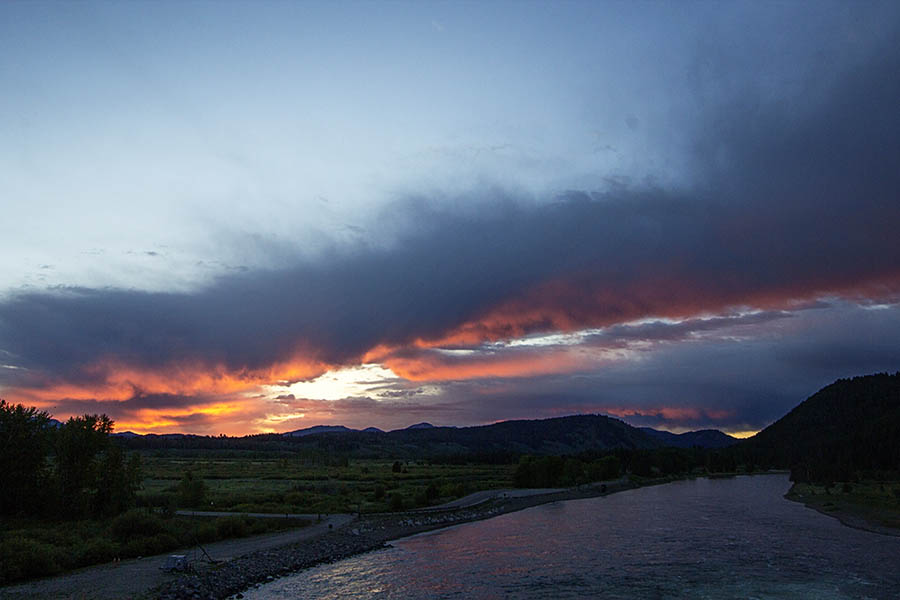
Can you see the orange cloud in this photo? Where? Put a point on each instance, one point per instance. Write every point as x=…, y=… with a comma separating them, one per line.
x=580, y=303
x=559, y=306
x=112, y=382
x=675, y=414
x=435, y=367
x=216, y=414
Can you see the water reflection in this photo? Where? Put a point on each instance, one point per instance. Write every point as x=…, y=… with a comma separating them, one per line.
x=735, y=538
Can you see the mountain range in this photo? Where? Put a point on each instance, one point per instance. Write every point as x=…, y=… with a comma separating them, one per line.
x=560, y=435
x=703, y=438
x=848, y=429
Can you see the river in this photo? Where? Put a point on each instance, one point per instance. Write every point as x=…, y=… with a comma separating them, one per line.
x=719, y=538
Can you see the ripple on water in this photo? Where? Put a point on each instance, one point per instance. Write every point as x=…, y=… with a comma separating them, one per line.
x=731, y=538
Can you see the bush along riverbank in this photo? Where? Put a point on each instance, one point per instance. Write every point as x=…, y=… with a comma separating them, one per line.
x=869, y=505
x=368, y=532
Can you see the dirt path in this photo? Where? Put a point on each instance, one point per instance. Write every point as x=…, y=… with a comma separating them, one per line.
x=210, y=513
x=485, y=495
x=131, y=578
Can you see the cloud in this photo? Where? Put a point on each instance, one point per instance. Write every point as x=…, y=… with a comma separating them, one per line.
x=720, y=380
x=789, y=202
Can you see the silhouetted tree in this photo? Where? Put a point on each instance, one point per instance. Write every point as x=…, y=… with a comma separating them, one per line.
x=117, y=481
x=24, y=445
x=607, y=467
x=80, y=444
x=192, y=490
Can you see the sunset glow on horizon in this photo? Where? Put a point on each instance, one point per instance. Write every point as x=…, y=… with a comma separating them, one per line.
x=253, y=218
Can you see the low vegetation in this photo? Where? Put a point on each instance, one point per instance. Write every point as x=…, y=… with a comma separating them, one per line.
x=36, y=548
x=281, y=485
x=69, y=497
x=875, y=502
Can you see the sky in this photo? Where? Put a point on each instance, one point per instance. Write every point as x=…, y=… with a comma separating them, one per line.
x=258, y=217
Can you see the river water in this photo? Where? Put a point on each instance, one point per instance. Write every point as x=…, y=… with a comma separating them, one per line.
x=720, y=538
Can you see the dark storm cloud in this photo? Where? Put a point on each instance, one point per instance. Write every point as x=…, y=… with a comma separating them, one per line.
x=717, y=381
x=791, y=199
x=663, y=331
x=131, y=406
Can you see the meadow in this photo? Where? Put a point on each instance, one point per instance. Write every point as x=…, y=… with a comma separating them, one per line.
x=294, y=485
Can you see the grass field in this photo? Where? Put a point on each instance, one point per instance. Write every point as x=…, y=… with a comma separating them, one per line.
x=876, y=502
x=288, y=485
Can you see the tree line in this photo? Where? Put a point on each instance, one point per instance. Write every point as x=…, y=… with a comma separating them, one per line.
x=69, y=470
x=587, y=467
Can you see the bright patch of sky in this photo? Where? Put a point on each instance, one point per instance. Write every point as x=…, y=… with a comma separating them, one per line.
x=555, y=339
x=364, y=380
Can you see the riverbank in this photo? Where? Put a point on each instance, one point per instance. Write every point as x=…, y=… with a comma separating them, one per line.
x=366, y=533
x=853, y=508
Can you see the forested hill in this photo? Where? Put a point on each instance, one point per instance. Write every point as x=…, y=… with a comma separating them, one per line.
x=499, y=441
x=561, y=435
x=850, y=428
x=704, y=438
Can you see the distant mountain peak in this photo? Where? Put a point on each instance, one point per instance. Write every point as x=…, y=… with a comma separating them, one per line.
x=422, y=425
x=127, y=434
x=317, y=429
x=704, y=438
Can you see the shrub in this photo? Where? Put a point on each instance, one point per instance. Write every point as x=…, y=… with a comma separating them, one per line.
x=147, y=546
x=135, y=524
x=205, y=532
x=233, y=526
x=396, y=502
x=454, y=490
x=97, y=550
x=431, y=493
x=379, y=492
x=295, y=498
x=192, y=490
x=608, y=467
x=24, y=558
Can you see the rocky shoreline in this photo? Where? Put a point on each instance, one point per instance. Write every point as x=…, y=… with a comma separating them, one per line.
x=368, y=532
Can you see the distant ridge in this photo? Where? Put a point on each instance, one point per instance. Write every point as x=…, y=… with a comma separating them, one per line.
x=703, y=438
x=422, y=425
x=318, y=429
x=559, y=435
